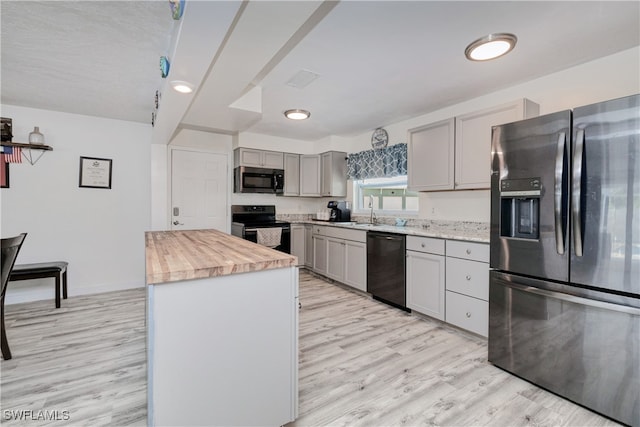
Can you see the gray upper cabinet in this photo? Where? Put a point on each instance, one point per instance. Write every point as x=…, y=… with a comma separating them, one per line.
x=473, y=141
x=306, y=175
x=310, y=175
x=455, y=154
x=430, y=159
x=334, y=174
x=258, y=158
x=291, y=174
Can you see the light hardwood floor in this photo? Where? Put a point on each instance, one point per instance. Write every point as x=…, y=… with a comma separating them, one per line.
x=87, y=357
x=362, y=363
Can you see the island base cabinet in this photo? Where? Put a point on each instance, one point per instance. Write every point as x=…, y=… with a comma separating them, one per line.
x=468, y=313
x=224, y=350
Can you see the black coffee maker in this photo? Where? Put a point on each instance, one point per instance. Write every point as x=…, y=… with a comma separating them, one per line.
x=340, y=211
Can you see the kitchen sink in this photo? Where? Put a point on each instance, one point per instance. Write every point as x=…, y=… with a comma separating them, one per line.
x=368, y=225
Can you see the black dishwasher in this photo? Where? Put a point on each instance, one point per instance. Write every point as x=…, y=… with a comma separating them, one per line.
x=386, y=268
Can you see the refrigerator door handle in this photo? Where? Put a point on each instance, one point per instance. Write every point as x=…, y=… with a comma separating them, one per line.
x=577, y=193
x=559, y=192
x=573, y=298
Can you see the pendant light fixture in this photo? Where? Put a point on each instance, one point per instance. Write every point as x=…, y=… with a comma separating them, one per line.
x=490, y=47
x=297, y=114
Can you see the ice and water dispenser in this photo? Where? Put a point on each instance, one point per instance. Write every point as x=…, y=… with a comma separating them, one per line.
x=520, y=208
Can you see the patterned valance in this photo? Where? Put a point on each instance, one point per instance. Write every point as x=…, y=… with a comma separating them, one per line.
x=383, y=163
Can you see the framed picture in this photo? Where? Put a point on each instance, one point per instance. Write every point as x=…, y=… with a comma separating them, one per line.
x=95, y=172
x=4, y=173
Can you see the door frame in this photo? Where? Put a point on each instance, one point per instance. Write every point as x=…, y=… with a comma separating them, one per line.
x=227, y=154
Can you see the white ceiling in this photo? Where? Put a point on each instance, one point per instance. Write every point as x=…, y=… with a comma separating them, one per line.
x=99, y=58
x=378, y=62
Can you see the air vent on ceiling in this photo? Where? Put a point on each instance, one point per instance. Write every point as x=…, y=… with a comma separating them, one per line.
x=302, y=79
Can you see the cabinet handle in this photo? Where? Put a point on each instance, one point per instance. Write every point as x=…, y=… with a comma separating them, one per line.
x=468, y=277
x=423, y=245
x=468, y=314
x=468, y=251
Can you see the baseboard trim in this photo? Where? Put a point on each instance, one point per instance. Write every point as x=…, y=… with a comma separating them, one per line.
x=46, y=290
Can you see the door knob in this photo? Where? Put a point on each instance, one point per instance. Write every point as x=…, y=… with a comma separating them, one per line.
x=176, y=222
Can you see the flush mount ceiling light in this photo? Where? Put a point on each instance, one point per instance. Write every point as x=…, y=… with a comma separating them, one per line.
x=490, y=47
x=181, y=86
x=297, y=114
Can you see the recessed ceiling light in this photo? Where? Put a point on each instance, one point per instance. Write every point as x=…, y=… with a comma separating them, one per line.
x=182, y=86
x=297, y=114
x=490, y=47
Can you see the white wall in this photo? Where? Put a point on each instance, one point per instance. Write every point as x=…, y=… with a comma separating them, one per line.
x=220, y=143
x=606, y=78
x=100, y=232
x=275, y=143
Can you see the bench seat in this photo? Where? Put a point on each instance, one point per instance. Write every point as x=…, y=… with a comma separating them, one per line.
x=42, y=270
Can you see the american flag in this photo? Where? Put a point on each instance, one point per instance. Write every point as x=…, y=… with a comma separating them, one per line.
x=12, y=154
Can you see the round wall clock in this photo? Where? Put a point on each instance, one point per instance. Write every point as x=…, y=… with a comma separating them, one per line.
x=380, y=138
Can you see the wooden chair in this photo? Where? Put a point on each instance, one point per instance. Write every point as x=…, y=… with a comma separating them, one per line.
x=10, y=248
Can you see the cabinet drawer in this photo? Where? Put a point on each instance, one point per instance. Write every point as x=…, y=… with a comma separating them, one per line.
x=468, y=250
x=425, y=244
x=467, y=313
x=319, y=230
x=346, y=234
x=468, y=277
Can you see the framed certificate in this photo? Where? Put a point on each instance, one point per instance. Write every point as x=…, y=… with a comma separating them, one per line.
x=95, y=173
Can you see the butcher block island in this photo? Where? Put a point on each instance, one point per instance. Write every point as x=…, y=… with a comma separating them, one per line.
x=222, y=323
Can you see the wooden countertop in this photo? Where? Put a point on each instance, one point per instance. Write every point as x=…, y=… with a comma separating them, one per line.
x=173, y=256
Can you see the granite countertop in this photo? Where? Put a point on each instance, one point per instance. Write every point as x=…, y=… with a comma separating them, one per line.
x=470, y=232
x=173, y=256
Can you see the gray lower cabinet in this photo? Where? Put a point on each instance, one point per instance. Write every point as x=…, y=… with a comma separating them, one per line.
x=298, y=242
x=341, y=254
x=467, y=286
x=425, y=270
x=335, y=258
x=355, y=264
x=308, y=245
x=319, y=254
x=468, y=313
x=446, y=279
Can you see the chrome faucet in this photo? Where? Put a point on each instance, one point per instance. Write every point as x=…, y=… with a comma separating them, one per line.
x=372, y=217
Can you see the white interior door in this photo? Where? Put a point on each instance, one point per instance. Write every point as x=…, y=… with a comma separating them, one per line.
x=198, y=190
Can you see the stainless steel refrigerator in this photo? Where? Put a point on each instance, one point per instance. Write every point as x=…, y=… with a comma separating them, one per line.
x=564, y=299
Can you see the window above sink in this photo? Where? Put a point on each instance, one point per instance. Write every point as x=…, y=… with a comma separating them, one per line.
x=390, y=197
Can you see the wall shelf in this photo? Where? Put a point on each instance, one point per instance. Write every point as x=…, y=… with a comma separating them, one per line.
x=30, y=146
x=27, y=154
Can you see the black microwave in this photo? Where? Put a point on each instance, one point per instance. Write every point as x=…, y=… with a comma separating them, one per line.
x=258, y=180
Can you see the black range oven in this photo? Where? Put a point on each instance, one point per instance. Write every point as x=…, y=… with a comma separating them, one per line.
x=251, y=222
